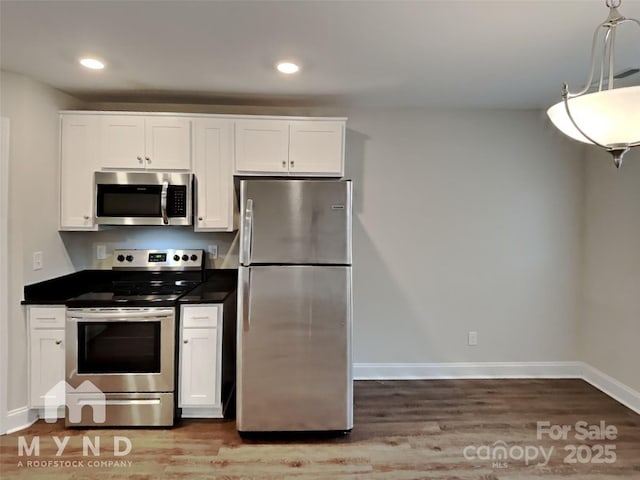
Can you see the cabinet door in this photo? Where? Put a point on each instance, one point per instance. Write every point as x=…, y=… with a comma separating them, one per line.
x=316, y=148
x=213, y=158
x=262, y=146
x=80, y=139
x=123, y=141
x=168, y=143
x=46, y=363
x=199, y=376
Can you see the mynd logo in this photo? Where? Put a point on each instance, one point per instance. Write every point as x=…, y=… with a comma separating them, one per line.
x=89, y=395
x=86, y=394
x=91, y=447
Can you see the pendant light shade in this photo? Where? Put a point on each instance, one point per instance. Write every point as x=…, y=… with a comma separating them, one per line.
x=611, y=117
x=607, y=117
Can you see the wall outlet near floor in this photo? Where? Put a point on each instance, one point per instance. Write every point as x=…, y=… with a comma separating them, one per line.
x=37, y=261
x=473, y=339
x=212, y=250
x=101, y=251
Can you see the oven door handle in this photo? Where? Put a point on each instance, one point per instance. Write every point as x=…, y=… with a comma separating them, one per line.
x=124, y=316
x=163, y=202
x=99, y=401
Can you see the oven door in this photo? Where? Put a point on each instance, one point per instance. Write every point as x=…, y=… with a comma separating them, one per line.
x=121, y=349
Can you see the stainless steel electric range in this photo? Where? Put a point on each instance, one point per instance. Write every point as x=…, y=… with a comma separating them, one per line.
x=122, y=340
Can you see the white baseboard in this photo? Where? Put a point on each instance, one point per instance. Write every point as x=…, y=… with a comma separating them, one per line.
x=617, y=390
x=432, y=371
x=20, y=418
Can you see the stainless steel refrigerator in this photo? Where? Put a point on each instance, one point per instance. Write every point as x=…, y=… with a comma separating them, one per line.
x=294, y=368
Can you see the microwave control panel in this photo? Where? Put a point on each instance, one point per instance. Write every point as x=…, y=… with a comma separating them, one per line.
x=177, y=201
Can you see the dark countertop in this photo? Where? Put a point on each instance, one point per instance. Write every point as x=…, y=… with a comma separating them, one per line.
x=57, y=291
x=219, y=285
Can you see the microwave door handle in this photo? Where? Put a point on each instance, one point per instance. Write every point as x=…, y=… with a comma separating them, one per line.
x=163, y=202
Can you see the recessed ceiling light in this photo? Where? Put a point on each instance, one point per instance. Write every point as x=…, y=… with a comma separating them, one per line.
x=287, y=67
x=92, y=63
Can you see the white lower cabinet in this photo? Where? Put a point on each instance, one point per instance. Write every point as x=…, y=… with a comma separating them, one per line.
x=200, y=371
x=46, y=351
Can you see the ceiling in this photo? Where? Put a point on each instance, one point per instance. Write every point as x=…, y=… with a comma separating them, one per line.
x=490, y=54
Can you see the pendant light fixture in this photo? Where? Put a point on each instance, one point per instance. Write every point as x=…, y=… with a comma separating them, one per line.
x=600, y=114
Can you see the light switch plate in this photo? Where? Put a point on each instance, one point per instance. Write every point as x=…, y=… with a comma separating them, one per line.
x=37, y=260
x=212, y=250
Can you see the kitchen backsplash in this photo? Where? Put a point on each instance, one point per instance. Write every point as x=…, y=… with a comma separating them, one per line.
x=82, y=247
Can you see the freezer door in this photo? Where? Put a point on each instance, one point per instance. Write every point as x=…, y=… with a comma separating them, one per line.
x=294, y=349
x=295, y=222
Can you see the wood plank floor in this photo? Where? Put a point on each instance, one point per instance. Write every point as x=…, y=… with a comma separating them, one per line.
x=403, y=430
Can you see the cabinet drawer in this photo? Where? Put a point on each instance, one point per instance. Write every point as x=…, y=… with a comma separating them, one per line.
x=47, y=317
x=201, y=316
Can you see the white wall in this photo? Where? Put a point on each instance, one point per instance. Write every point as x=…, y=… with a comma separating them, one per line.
x=610, y=328
x=32, y=109
x=464, y=220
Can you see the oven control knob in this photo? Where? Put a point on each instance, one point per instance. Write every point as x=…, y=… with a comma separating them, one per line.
x=176, y=258
x=185, y=257
x=194, y=258
x=121, y=258
x=129, y=258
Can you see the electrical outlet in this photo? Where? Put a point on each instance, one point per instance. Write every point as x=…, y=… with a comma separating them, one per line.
x=37, y=260
x=213, y=251
x=473, y=339
x=101, y=251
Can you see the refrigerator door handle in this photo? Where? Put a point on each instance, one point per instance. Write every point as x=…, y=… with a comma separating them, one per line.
x=248, y=227
x=246, y=300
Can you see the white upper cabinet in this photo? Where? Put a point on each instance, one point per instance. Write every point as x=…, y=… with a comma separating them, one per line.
x=145, y=142
x=316, y=148
x=80, y=138
x=313, y=147
x=123, y=144
x=213, y=159
x=168, y=143
x=262, y=146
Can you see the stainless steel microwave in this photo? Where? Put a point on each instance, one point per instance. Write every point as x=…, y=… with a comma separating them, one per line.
x=144, y=198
